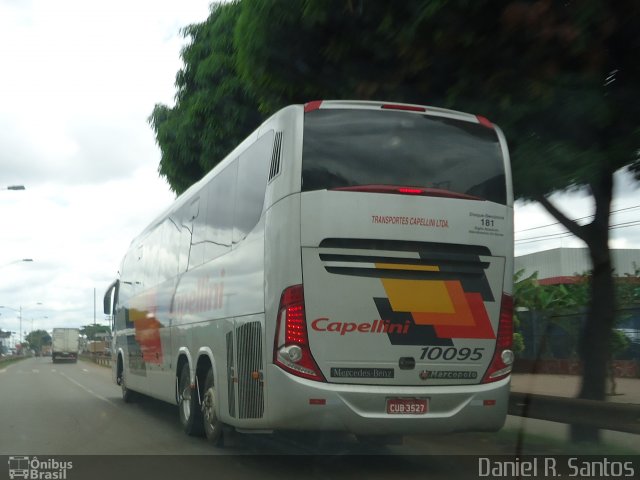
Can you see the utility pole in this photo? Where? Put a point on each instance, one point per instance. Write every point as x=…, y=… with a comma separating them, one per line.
x=94, y=306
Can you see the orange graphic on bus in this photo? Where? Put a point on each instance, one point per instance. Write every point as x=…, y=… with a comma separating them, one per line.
x=442, y=304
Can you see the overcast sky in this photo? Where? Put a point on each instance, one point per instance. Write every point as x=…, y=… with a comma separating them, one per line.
x=78, y=80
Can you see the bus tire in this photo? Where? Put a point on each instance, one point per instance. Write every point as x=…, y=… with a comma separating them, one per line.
x=127, y=395
x=188, y=408
x=212, y=425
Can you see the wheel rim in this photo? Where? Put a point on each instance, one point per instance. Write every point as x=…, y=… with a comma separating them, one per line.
x=186, y=402
x=123, y=385
x=209, y=410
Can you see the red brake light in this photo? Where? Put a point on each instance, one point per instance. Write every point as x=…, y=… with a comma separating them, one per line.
x=502, y=361
x=484, y=121
x=409, y=108
x=291, y=350
x=295, y=330
x=311, y=106
x=393, y=189
x=411, y=191
x=505, y=328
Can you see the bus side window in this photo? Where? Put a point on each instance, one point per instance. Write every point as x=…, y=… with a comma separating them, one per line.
x=198, y=215
x=169, y=250
x=126, y=290
x=184, y=224
x=219, y=218
x=251, y=186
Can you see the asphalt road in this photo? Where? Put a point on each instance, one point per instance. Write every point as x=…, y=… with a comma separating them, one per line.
x=75, y=408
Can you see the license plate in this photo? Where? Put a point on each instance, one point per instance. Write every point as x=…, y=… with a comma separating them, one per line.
x=406, y=406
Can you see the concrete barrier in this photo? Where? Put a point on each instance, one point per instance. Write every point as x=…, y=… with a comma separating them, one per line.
x=619, y=417
x=102, y=360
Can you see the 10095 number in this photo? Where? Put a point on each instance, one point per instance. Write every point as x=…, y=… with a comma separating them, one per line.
x=452, y=353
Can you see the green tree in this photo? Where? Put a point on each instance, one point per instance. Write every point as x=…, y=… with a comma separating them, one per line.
x=37, y=339
x=547, y=304
x=213, y=111
x=563, y=306
x=93, y=329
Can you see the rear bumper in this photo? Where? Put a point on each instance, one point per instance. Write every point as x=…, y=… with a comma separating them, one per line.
x=297, y=404
x=65, y=355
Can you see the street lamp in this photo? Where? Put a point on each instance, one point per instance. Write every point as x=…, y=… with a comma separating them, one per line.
x=18, y=261
x=13, y=187
x=19, y=310
x=39, y=318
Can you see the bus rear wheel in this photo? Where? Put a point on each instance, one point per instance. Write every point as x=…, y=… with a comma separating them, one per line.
x=188, y=408
x=127, y=395
x=212, y=425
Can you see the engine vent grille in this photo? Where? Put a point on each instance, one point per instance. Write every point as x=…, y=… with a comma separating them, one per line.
x=275, y=157
x=231, y=375
x=250, y=385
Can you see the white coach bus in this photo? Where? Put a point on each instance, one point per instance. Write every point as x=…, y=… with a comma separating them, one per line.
x=348, y=267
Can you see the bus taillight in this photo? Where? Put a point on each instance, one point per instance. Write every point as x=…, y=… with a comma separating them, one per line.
x=502, y=361
x=291, y=350
x=411, y=191
x=485, y=122
x=407, y=108
x=312, y=105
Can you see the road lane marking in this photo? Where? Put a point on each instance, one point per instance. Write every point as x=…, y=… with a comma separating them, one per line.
x=85, y=370
x=53, y=369
x=88, y=390
x=3, y=370
x=35, y=371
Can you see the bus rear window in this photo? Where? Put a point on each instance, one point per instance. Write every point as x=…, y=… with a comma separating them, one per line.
x=349, y=148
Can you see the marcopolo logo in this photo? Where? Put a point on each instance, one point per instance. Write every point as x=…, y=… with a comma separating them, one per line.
x=37, y=469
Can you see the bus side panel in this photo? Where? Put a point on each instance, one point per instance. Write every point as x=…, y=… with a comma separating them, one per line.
x=287, y=180
x=211, y=299
x=282, y=259
x=283, y=268
x=151, y=366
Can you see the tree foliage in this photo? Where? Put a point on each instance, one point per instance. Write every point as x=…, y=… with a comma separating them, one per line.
x=93, y=329
x=213, y=111
x=551, y=299
x=37, y=339
x=561, y=78
x=564, y=305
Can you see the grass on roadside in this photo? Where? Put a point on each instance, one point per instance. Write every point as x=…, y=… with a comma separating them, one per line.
x=6, y=361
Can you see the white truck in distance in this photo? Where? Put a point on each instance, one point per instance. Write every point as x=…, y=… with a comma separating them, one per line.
x=65, y=344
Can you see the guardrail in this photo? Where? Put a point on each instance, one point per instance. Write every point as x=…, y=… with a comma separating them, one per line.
x=103, y=360
x=620, y=417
